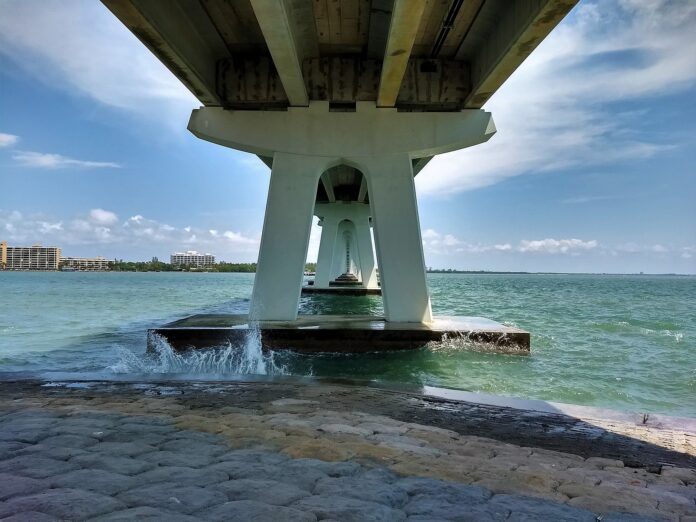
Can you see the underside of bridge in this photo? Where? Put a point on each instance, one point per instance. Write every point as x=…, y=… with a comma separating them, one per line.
x=346, y=101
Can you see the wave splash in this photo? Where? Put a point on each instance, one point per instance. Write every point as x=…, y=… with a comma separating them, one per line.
x=457, y=343
x=228, y=359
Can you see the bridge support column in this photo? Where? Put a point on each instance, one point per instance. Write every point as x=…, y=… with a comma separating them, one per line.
x=327, y=249
x=397, y=237
x=285, y=237
x=368, y=268
x=331, y=259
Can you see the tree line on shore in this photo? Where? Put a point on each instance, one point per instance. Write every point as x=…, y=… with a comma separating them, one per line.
x=159, y=266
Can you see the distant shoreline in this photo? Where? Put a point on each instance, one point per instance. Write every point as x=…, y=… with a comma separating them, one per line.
x=444, y=272
x=494, y=272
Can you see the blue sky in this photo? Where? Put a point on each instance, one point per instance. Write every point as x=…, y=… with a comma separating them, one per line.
x=593, y=168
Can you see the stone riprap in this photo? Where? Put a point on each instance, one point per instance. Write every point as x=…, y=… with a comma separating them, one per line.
x=295, y=452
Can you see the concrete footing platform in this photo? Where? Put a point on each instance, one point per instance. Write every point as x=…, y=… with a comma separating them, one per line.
x=338, y=290
x=339, y=333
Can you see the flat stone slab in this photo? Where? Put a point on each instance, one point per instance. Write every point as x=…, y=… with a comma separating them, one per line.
x=339, y=333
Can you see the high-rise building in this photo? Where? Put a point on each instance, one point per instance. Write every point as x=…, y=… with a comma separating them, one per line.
x=35, y=257
x=192, y=258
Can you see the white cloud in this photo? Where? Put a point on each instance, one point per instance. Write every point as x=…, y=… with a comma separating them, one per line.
x=450, y=240
x=103, y=227
x=8, y=140
x=56, y=161
x=430, y=234
x=236, y=237
x=83, y=48
x=556, y=246
x=46, y=227
x=103, y=217
x=552, y=112
x=447, y=244
x=589, y=199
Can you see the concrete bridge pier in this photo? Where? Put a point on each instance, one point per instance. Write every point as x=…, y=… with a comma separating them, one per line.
x=287, y=225
x=353, y=166
x=397, y=237
x=285, y=237
x=345, y=231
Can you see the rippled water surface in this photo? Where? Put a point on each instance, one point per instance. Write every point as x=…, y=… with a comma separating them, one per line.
x=626, y=342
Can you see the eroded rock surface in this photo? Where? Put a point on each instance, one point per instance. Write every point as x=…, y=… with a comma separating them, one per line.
x=296, y=452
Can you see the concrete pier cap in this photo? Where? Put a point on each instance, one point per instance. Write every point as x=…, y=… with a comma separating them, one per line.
x=316, y=131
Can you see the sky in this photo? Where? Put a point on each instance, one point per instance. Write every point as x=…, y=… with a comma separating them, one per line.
x=593, y=167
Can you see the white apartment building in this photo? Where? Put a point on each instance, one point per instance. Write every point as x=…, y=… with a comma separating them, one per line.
x=35, y=257
x=85, y=264
x=192, y=258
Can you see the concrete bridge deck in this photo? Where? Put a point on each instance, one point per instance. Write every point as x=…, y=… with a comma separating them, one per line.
x=340, y=333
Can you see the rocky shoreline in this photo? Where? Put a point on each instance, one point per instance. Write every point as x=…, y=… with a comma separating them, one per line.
x=287, y=450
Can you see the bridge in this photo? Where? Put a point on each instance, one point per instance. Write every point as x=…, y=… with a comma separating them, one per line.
x=346, y=101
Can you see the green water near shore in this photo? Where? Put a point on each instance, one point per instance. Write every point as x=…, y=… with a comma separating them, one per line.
x=625, y=342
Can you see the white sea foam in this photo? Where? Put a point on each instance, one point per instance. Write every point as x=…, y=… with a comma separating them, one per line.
x=454, y=343
x=228, y=359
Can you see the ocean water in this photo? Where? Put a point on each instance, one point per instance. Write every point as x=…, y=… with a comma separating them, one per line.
x=623, y=342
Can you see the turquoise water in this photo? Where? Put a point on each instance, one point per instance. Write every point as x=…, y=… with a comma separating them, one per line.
x=625, y=342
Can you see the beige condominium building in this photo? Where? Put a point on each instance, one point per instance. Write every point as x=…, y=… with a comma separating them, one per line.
x=35, y=257
x=85, y=264
x=192, y=258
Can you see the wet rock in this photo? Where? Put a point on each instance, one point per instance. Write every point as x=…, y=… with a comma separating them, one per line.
x=97, y=480
x=272, y=492
x=523, y=508
x=363, y=489
x=50, y=452
x=70, y=441
x=36, y=467
x=187, y=445
x=443, y=491
x=177, y=458
x=381, y=428
x=183, y=476
x=348, y=509
x=344, y=429
x=15, y=485
x=253, y=455
x=30, y=516
x=65, y=504
x=601, y=463
x=28, y=434
x=631, y=517
x=380, y=475
x=145, y=513
x=122, y=449
x=122, y=465
x=319, y=449
x=198, y=436
x=246, y=510
x=8, y=449
x=687, y=476
x=332, y=469
x=173, y=497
